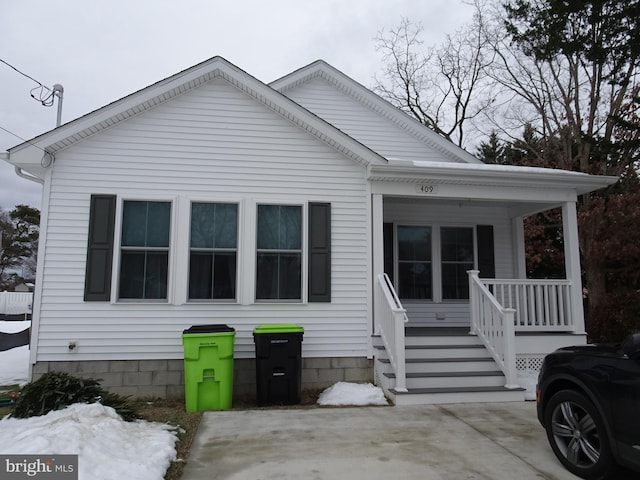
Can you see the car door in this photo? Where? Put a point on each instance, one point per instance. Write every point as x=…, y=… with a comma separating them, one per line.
x=625, y=403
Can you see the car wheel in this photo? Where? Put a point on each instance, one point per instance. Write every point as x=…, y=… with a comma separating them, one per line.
x=577, y=435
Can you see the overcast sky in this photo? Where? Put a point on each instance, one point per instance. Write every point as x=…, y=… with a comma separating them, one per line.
x=102, y=50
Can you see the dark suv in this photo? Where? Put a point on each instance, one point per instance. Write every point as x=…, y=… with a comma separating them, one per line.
x=588, y=401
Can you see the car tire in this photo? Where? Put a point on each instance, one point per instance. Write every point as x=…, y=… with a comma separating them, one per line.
x=578, y=436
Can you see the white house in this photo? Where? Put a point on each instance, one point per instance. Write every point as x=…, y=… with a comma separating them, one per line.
x=210, y=197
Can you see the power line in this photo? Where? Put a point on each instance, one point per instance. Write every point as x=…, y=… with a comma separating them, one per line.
x=23, y=139
x=14, y=134
x=45, y=95
x=23, y=74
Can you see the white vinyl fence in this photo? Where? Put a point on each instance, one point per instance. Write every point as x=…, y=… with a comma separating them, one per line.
x=15, y=303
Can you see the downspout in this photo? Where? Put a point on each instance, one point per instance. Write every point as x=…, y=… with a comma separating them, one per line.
x=21, y=173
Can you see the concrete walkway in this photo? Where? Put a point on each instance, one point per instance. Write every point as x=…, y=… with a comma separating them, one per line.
x=439, y=442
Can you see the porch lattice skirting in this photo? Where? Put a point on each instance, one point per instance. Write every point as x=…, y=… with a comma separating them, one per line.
x=165, y=378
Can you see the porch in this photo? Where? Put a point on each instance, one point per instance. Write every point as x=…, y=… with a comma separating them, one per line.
x=453, y=249
x=514, y=323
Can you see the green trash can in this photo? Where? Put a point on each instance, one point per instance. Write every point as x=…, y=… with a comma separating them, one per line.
x=208, y=367
x=278, y=363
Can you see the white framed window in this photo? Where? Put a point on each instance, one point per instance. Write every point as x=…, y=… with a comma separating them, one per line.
x=279, y=252
x=144, y=250
x=213, y=251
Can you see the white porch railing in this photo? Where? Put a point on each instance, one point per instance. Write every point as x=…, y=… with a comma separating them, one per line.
x=494, y=325
x=391, y=317
x=15, y=303
x=540, y=305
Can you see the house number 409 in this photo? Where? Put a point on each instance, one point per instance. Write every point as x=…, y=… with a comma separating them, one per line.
x=427, y=189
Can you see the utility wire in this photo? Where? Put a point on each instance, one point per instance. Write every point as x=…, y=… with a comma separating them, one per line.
x=45, y=95
x=22, y=73
x=14, y=134
x=23, y=139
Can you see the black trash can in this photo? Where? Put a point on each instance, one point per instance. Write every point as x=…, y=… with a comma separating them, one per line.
x=278, y=363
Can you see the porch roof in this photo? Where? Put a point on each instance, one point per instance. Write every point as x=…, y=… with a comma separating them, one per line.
x=487, y=175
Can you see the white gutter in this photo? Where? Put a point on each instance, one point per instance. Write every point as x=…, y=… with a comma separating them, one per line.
x=21, y=173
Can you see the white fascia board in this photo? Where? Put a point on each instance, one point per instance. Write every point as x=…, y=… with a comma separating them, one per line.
x=489, y=175
x=377, y=103
x=28, y=155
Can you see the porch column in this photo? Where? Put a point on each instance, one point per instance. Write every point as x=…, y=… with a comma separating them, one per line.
x=519, y=247
x=377, y=249
x=572, y=263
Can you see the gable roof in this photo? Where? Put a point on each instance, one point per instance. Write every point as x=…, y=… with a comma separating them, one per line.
x=30, y=155
x=323, y=70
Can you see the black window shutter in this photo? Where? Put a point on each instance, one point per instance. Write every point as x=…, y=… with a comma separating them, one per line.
x=97, y=282
x=319, y=252
x=486, y=256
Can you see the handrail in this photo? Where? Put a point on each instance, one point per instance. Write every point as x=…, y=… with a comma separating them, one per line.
x=392, y=317
x=494, y=325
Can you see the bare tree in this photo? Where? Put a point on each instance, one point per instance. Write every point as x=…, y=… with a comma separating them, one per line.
x=445, y=87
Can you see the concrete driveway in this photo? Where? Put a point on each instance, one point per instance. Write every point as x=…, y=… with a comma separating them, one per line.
x=443, y=442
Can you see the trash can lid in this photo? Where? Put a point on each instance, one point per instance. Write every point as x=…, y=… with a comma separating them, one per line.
x=278, y=328
x=208, y=329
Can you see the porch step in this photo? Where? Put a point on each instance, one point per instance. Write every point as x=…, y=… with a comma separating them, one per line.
x=447, y=364
x=444, y=366
x=493, y=378
x=430, y=396
x=445, y=351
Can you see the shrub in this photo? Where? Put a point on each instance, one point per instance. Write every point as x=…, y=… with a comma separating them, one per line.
x=57, y=390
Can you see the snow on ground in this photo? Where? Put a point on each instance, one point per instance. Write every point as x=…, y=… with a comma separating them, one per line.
x=14, y=363
x=528, y=380
x=344, y=393
x=108, y=448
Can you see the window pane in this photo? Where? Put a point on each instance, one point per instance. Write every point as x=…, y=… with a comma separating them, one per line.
x=455, y=281
x=457, y=244
x=146, y=224
x=200, y=275
x=415, y=280
x=290, y=284
x=279, y=227
x=290, y=228
x=132, y=275
x=278, y=276
x=143, y=275
x=202, y=225
x=134, y=221
x=156, y=275
x=267, y=276
x=214, y=225
x=224, y=276
x=414, y=243
x=226, y=226
x=158, y=224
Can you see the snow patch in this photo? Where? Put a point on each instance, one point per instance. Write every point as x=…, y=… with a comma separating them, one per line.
x=359, y=394
x=528, y=381
x=108, y=448
x=15, y=362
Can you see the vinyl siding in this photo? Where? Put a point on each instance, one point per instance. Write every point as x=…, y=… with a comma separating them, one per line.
x=425, y=212
x=361, y=122
x=212, y=144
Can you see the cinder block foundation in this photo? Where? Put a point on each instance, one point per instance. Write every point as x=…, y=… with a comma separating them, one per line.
x=165, y=378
